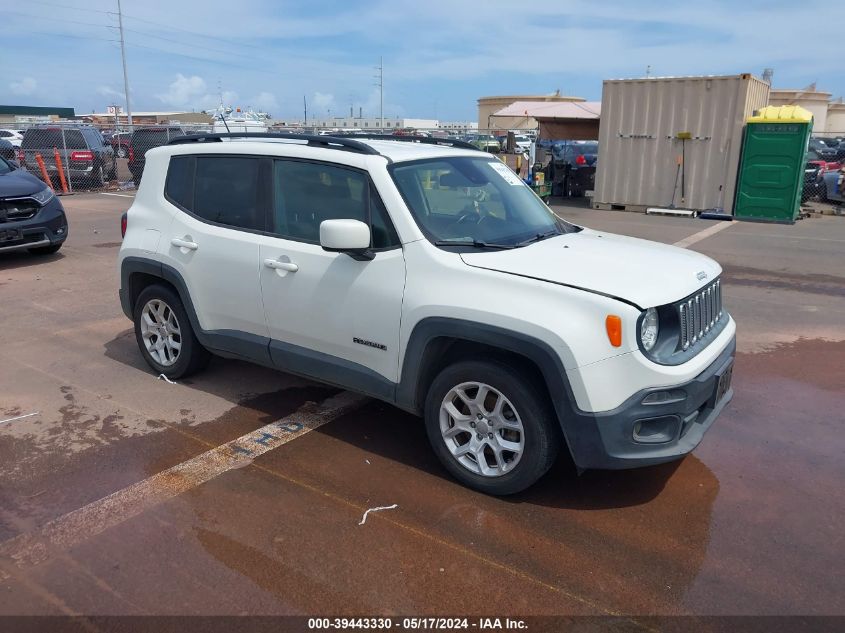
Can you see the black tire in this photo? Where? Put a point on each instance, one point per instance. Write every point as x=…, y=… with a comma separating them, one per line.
x=113, y=171
x=192, y=356
x=98, y=178
x=542, y=435
x=46, y=250
x=122, y=152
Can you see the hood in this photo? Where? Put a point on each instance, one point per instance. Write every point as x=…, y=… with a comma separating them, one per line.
x=19, y=183
x=644, y=273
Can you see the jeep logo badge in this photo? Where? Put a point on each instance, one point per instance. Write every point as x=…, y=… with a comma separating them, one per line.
x=701, y=275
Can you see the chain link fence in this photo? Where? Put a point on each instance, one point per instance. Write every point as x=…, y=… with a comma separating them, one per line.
x=824, y=176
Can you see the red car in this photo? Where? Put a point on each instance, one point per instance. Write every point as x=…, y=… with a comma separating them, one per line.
x=814, y=170
x=120, y=144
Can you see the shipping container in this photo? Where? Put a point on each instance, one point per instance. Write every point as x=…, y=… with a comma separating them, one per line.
x=673, y=140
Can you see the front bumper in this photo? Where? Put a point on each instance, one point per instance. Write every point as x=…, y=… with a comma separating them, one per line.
x=637, y=434
x=47, y=227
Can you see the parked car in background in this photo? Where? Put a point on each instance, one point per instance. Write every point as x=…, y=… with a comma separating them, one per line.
x=833, y=187
x=822, y=149
x=7, y=150
x=120, y=144
x=573, y=167
x=487, y=143
x=143, y=140
x=840, y=151
x=12, y=136
x=31, y=216
x=815, y=168
x=85, y=158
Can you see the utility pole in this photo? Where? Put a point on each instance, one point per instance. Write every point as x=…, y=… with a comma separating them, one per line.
x=305, y=109
x=380, y=85
x=123, y=59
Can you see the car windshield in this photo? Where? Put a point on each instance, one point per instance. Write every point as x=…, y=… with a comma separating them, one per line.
x=477, y=202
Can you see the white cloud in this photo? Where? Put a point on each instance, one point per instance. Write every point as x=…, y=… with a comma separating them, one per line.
x=321, y=102
x=108, y=91
x=25, y=86
x=183, y=91
x=265, y=102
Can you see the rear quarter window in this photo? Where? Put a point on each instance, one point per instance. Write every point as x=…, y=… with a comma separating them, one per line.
x=179, y=185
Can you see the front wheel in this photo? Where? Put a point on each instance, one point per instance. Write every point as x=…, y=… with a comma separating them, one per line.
x=490, y=427
x=164, y=334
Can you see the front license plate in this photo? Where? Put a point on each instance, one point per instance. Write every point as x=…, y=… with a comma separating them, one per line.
x=10, y=235
x=724, y=383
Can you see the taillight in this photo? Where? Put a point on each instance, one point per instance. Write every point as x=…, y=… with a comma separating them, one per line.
x=131, y=154
x=123, y=223
x=21, y=157
x=580, y=160
x=86, y=155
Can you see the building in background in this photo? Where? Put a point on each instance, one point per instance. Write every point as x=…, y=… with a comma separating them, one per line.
x=149, y=118
x=828, y=115
x=488, y=106
x=33, y=114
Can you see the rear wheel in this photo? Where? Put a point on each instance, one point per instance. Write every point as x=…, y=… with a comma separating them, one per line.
x=121, y=152
x=164, y=334
x=491, y=429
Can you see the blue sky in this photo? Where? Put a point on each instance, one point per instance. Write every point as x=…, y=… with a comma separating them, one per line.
x=439, y=56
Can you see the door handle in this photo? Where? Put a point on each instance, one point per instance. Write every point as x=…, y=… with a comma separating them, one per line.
x=191, y=246
x=277, y=265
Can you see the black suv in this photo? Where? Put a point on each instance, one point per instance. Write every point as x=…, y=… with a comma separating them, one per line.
x=31, y=217
x=573, y=168
x=86, y=159
x=144, y=139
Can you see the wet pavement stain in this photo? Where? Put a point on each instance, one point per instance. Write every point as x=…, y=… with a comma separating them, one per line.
x=810, y=283
x=817, y=362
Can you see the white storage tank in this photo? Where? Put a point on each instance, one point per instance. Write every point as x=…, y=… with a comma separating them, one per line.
x=673, y=140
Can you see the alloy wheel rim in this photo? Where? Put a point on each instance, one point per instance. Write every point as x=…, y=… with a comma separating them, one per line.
x=160, y=332
x=482, y=429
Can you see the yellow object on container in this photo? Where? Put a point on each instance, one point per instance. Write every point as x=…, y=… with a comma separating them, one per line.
x=781, y=114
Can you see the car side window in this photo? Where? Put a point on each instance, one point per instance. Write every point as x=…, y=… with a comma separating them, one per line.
x=308, y=193
x=226, y=191
x=179, y=187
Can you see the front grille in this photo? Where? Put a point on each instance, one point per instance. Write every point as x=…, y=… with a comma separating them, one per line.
x=700, y=313
x=14, y=209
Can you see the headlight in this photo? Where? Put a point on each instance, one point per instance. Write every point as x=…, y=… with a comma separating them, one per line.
x=649, y=329
x=43, y=197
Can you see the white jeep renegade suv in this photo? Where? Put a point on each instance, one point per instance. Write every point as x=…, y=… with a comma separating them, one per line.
x=428, y=275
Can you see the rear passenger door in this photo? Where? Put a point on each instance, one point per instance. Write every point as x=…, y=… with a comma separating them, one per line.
x=332, y=317
x=212, y=243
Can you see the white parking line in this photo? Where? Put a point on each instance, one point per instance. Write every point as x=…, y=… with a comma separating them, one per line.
x=33, y=548
x=119, y=195
x=702, y=235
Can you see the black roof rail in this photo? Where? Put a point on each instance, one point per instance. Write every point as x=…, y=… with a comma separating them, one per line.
x=328, y=142
x=426, y=140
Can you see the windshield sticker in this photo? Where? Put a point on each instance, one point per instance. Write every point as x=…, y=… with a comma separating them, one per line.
x=506, y=173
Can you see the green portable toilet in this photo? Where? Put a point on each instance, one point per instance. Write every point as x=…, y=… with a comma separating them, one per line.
x=771, y=171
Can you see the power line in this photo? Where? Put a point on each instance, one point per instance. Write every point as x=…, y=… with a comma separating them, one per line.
x=42, y=17
x=167, y=39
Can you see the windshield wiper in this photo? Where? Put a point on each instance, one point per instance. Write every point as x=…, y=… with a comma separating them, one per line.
x=473, y=243
x=538, y=237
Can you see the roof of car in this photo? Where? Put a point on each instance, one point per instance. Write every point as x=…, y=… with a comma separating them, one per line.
x=400, y=149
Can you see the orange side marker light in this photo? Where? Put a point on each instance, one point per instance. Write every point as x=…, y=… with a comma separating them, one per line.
x=613, y=324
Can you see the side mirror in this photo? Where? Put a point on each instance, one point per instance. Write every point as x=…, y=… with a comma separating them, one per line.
x=346, y=236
